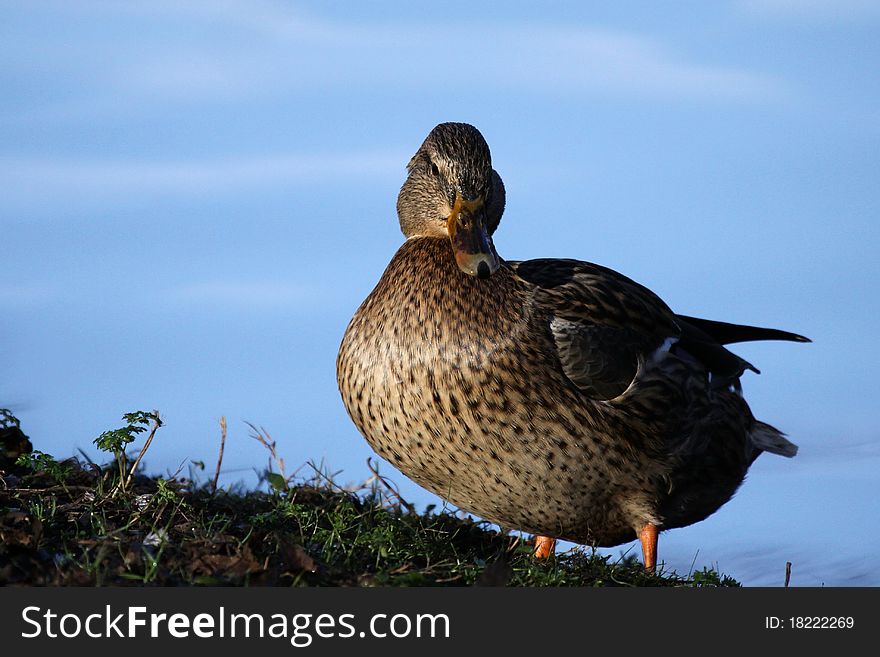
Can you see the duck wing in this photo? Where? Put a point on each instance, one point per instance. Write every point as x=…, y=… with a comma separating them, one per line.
x=603, y=323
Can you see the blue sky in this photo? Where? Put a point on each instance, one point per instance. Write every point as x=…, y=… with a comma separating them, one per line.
x=195, y=197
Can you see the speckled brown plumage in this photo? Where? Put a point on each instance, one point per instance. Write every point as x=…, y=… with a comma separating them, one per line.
x=555, y=397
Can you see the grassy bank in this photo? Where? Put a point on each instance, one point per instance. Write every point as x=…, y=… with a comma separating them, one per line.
x=79, y=523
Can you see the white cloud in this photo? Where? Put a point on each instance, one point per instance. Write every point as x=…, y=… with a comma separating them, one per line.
x=241, y=50
x=582, y=60
x=255, y=295
x=28, y=180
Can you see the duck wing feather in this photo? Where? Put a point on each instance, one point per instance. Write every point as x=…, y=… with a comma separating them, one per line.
x=603, y=323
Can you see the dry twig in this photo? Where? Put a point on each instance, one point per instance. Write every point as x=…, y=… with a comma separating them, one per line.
x=157, y=422
x=220, y=456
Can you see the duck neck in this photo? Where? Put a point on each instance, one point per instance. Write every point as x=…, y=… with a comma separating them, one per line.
x=429, y=290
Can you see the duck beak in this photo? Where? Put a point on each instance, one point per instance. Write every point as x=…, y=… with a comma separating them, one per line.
x=474, y=252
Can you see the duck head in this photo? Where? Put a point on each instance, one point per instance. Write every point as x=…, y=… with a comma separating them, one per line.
x=453, y=192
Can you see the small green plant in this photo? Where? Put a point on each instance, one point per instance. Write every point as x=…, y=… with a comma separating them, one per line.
x=43, y=510
x=711, y=578
x=277, y=482
x=8, y=419
x=38, y=461
x=116, y=440
x=165, y=492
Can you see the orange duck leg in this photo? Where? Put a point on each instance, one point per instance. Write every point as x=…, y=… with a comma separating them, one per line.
x=648, y=539
x=544, y=546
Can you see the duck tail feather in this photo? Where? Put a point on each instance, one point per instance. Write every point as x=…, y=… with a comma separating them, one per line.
x=726, y=333
x=771, y=439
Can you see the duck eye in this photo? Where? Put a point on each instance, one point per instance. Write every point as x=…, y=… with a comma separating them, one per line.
x=435, y=169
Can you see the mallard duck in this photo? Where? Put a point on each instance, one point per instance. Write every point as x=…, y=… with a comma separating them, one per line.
x=554, y=397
